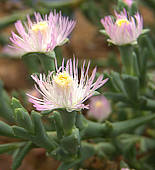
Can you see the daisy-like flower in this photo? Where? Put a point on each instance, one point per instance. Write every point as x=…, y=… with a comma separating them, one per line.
x=100, y=108
x=128, y=2
x=42, y=35
x=124, y=30
x=64, y=89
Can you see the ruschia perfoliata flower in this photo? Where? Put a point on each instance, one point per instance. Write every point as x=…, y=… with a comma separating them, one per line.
x=124, y=29
x=64, y=89
x=42, y=35
x=99, y=108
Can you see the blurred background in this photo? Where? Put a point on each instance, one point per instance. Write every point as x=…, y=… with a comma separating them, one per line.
x=85, y=43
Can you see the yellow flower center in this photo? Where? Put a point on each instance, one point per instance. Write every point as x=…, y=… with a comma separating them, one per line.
x=119, y=22
x=40, y=26
x=98, y=104
x=63, y=79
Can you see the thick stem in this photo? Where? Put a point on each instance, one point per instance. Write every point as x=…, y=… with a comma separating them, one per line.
x=51, y=60
x=48, y=61
x=68, y=119
x=127, y=59
x=68, y=134
x=95, y=130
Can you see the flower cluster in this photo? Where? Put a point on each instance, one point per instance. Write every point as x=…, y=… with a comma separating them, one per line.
x=64, y=89
x=125, y=30
x=43, y=35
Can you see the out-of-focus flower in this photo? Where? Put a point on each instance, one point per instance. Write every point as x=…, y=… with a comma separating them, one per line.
x=125, y=30
x=100, y=108
x=128, y=2
x=43, y=35
x=64, y=89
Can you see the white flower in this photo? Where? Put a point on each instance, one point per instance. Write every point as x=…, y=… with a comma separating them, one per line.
x=64, y=89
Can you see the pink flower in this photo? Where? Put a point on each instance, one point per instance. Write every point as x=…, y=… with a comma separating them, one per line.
x=100, y=108
x=43, y=35
x=64, y=89
x=128, y=2
x=125, y=30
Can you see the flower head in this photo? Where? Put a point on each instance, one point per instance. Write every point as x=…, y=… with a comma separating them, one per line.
x=125, y=30
x=128, y=2
x=64, y=89
x=42, y=35
x=99, y=108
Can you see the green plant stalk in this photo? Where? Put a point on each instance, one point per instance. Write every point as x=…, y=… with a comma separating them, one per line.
x=127, y=58
x=95, y=130
x=149, y=104
x=69, y=120
x=6, y=130
x=41, y=138
x=68, y=135
x=87, y=151
x=58, y=124
x=5, y=110
x=48, y=61
x=10, y=146
x=19, y=156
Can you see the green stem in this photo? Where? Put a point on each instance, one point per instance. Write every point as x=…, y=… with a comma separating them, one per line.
x=69, y=120
x=47, y=61
x=58, y=124
x=95, y=130
x=68, y=135
x=126, y=56
x=148, y=105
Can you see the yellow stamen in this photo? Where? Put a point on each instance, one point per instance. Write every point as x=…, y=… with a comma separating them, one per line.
x=98, y=104
x=63, y=79
x=119, y=22
x=40, y=26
